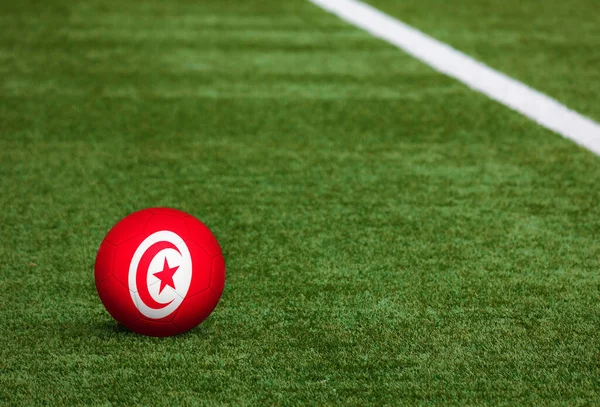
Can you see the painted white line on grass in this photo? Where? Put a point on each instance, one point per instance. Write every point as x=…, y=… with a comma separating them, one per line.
x=535, y=105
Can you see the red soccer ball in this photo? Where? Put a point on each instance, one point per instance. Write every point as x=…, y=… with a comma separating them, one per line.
x=160, y=272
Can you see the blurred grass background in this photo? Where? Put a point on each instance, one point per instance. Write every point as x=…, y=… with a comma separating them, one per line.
x=391, y=237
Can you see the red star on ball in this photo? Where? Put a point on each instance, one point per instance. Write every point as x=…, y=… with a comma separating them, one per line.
x=166, y=276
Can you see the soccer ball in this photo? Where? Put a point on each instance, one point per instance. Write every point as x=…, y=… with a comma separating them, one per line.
x=160, y=272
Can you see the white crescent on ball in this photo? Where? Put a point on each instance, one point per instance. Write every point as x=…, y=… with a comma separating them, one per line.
x=165, y=302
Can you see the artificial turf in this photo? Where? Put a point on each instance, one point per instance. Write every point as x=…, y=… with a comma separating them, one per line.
x=550, y=45
x=391, y=237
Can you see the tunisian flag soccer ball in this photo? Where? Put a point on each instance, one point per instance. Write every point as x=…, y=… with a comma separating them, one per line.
x=160, y=272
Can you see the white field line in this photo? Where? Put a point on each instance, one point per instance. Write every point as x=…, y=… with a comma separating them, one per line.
x=529, y=102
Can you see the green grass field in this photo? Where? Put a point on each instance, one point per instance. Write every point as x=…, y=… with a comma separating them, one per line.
x=391, y=237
